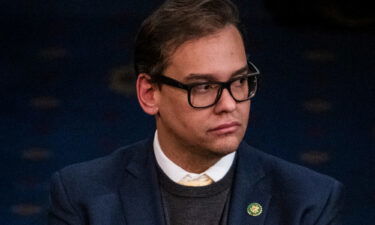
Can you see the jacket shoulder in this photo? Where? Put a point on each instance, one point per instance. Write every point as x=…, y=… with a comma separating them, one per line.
x=101, y=174
x=288, y=178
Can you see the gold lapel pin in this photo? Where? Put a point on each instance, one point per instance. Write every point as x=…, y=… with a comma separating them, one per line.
x=254, y=209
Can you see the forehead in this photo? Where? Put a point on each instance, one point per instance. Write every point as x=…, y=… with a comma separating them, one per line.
x=218, y=54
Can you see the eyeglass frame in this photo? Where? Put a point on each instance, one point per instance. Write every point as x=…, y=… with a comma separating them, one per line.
x=175, y=83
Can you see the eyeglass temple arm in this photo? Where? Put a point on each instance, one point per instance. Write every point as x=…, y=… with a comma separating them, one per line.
x=171, y=82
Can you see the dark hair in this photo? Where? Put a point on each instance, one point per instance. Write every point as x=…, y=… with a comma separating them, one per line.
x=175, y=22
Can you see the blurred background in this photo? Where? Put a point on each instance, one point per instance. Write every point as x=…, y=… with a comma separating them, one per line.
x=67, y=92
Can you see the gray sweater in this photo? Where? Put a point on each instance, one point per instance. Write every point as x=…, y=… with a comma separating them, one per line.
x=207, y=205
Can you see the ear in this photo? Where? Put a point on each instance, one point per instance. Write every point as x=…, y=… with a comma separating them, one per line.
x=147, y=93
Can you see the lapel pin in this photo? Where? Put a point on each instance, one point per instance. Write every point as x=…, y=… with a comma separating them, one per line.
x=254, y=209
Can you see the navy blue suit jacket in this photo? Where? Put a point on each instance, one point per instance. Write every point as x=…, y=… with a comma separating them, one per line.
x=122, y=189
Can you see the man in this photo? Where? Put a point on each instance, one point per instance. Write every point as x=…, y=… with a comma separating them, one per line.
x=195, y=78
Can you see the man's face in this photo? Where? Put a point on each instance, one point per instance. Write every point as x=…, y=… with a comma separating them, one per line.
x=213, y=131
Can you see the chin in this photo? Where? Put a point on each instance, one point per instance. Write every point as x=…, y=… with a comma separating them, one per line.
x=225, y=146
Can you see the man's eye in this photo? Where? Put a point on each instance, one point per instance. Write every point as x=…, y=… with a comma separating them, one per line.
x=241, y=81
x=204, y=88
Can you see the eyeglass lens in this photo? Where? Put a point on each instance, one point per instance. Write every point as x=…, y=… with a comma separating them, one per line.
x=241, y=89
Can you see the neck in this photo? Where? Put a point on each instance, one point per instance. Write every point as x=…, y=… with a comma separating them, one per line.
x=190, y=162
x=188, y=157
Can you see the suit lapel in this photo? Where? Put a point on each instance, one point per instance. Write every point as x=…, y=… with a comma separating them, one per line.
x=139, y=190
x=140, y=193
x=247, y=189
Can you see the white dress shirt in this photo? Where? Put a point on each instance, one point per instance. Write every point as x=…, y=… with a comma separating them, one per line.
x=176, y=173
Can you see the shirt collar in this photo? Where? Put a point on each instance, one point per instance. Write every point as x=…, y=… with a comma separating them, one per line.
x=176, y=173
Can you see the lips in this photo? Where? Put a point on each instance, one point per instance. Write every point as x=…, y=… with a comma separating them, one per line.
x=225, y=128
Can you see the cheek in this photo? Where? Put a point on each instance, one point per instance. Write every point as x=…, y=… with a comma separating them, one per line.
x=183, y=117
x=169, y=101
x=190, y=118
x=195, y=121
x=175, y=108
x=245, y=112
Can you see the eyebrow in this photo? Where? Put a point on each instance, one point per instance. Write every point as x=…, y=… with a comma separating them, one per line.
x=211, y=77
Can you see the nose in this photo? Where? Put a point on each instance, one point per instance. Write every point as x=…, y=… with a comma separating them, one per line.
x=226, y=102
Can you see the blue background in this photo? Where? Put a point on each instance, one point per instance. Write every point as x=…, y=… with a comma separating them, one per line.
x=67, y=95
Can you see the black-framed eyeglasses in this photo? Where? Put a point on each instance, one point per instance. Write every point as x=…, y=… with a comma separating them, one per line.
x=207, y=94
